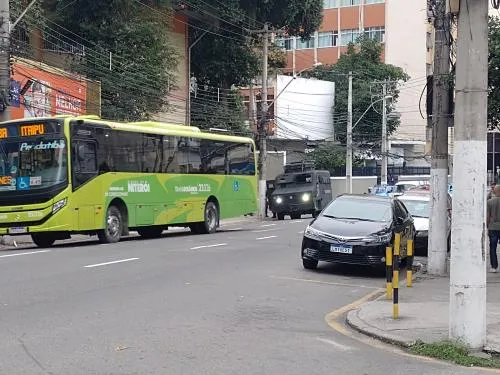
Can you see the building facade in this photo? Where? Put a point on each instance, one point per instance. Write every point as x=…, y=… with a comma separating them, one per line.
x=343, y=22
x=401, y=26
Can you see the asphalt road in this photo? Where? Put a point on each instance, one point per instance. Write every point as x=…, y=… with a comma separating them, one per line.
x=235, y=302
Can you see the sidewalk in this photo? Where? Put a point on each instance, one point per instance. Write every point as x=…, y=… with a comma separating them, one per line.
x=423, y=314
x=7, y=242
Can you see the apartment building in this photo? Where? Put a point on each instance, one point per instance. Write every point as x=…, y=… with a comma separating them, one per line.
x=401, y=26
x=343, y=22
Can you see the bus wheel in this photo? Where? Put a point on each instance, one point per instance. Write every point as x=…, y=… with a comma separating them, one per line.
x=211, y=219
x=150, y=232
x=113, y=226
x=42, y=239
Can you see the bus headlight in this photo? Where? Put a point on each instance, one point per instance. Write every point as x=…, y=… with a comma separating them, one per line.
x=58, y=205
x=279, y=200
x=306, y=197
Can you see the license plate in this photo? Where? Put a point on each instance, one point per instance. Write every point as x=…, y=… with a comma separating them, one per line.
x=341, y=249
x=18, y=230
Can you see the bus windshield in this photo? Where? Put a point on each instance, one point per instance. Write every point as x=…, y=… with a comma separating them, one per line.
x=32, y=163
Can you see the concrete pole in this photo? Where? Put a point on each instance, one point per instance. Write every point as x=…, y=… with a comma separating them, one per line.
x=262, y=125
x=468, y=251
x=383, y=171
x=4, y=58
x=438, y=219
x=348, y=163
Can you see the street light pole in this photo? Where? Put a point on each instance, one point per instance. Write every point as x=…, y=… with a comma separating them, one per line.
x=348, y=164
x=350, y=128
x=383, y=172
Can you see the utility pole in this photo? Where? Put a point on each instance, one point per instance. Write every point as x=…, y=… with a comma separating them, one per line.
x=468, y=253
x=438, y=218
x=4, y=59
x=383, y=171
x=348, y=164
x=263, y=125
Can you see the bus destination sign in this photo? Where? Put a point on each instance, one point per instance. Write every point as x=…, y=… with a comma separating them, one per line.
x=26, y=130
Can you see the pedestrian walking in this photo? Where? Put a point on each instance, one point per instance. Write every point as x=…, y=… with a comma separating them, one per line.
x=493, y=224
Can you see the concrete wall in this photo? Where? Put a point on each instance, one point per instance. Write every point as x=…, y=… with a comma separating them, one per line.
x=360, y=185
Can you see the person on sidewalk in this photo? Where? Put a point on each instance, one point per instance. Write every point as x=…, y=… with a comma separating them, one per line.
x=493, y=224
x=491, y=193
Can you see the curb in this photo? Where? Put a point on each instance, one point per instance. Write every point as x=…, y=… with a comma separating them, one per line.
x=361, y=326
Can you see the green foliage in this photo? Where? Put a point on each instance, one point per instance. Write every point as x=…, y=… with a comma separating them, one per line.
x=329, y=156
x=227, y=114
x=453, y=352
x=142, y=70
x=363, y=59
x=230, y=54
x=494, y=73
x=34, y=15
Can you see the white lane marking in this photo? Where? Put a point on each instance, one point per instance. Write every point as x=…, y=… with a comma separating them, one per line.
x=112, y=262
x=297, y=221
x=268, y=225
x=324, y=282
x=28, y=253
x=301, y=232
x=344, y=348
x=265, y=238
x=263, y=230
x=206, y=246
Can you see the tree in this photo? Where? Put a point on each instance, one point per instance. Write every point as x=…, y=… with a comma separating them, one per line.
x=141, y=73
x=494, y=73
x=329, y=156
x=363, y=59
x=230, y=54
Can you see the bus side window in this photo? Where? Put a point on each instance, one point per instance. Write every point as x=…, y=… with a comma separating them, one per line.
x=85, y=161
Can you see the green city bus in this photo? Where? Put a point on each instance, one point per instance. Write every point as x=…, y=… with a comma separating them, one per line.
x=68, y=175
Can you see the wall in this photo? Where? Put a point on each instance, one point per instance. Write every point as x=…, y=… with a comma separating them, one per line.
x=177, y=98
x=406, y=30
x=52, y=91
x=360, y=185
x=304, y=108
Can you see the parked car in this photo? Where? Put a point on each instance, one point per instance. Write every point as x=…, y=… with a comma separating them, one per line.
x=356, y=229
x=383, y=190
x=418, y=204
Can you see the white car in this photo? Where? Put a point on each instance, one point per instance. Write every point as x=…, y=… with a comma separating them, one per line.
x=417, y=202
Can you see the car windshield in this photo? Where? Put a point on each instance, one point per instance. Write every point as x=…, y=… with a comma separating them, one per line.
x=416, y=207
x=32, y=163
x=360, y=209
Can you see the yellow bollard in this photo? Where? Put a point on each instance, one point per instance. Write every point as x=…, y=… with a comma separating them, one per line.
x=409, y=266
x=395, y=277
x=388, y=271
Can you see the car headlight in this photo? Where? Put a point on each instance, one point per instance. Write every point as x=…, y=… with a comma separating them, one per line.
x=279, y=200
x=385, y=237
x=312, y=233
x=379, y=237
x=422, y=233
x=58, y=205
x=306, y=197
